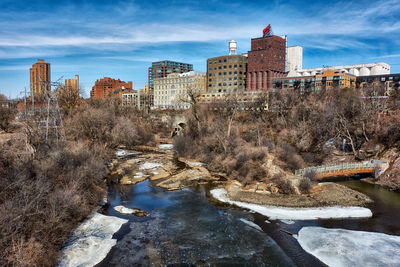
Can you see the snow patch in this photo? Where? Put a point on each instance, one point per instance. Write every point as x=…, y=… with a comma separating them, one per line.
x=284, y=213
x=123, y=210
x=122, y=153
x=91, y=241
x=251, y=224
x=194, y=163
x=166, y=146
x=287, y=221
x=267, y=221
x=139, y=175
x=150, y=165
x=340, y=247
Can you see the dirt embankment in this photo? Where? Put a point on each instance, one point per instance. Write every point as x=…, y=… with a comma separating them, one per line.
x=326, y=194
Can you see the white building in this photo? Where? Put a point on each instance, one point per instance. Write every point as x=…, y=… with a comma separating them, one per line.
x=171, y=91
x=137, y=99
x=294, y=59
x=379, y=68
x=294, y=66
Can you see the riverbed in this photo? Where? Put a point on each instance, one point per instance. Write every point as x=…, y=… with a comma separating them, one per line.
x=189, y=227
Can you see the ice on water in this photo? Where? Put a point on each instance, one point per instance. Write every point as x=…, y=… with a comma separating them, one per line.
x=340, y=247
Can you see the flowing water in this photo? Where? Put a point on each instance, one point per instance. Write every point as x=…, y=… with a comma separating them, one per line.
x=187, y=227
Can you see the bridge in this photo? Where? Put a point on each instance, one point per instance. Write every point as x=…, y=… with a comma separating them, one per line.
x=344, y=169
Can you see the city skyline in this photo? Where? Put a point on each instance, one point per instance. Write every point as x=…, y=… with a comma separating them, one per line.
x=122, y=45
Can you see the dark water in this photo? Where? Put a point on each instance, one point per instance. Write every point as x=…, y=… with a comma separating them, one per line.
x=187, y=227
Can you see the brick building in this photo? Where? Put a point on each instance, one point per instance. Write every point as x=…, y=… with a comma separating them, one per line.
x=40, y=77
x=266, y=61
x=107, y=87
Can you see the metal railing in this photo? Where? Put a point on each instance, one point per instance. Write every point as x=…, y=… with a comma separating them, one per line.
x=361, y=167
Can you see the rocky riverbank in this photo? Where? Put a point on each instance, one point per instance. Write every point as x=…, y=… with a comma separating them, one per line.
x=159, y=164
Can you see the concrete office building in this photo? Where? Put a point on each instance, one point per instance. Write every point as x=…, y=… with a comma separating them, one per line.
x=40, y=77
x=171, y=91
x=226, y=74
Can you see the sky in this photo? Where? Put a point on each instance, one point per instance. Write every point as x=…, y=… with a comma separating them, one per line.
x=120, y=39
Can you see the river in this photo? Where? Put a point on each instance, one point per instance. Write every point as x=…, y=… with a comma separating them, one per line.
x=188, y=227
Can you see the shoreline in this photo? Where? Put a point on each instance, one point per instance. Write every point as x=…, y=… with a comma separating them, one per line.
x=295, y=213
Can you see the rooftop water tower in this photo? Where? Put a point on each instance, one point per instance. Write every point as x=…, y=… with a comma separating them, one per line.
x=232, y=47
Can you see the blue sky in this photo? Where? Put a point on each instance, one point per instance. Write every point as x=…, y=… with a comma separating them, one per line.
x=120, y=39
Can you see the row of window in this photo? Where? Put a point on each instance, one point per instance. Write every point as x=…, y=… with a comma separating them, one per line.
x=225, y=79
x=225, y=66
x=225, y=73
x=235, y=59
x=225, y=84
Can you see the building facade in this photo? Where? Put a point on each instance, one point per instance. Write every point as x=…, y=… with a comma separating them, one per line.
x=137, y=98
x=72, y=83
x=171, y=91
x=40, y=78
x=333, y=78
x=325, y=80
x=162, y=69
x=389, y=82
x=108, y=87
x=226, y=74
x=266, y=61
x=294, y=59
x=303, y=84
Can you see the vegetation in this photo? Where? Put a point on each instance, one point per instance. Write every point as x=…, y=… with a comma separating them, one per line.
x=47, y=188
x=294, y=131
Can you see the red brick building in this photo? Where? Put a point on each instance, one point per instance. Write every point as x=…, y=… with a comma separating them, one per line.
x=266, y=61
x=107, y=87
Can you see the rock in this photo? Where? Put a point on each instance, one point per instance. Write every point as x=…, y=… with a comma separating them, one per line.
x=135, y=211
x=159, y=174
x=274, y=189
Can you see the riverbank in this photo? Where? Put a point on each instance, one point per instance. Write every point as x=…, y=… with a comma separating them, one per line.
x=286, y=213
x=329, y=194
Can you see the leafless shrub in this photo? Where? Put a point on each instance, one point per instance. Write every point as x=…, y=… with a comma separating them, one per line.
x=284, y=185
x=183, y=145
x=305, y=185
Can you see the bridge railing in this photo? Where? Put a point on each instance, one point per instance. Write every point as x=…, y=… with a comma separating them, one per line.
x=338, y=167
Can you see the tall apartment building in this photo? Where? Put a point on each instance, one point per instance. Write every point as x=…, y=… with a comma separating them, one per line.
x=108, y=87
x=162, y=69
x=40, y=77
x=72, y=83
x=171, y=91
x=226, y=74
x=266, y=60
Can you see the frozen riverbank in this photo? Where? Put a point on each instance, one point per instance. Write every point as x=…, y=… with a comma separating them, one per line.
x=91, y=241
x=295, y=213
x=340, y=247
